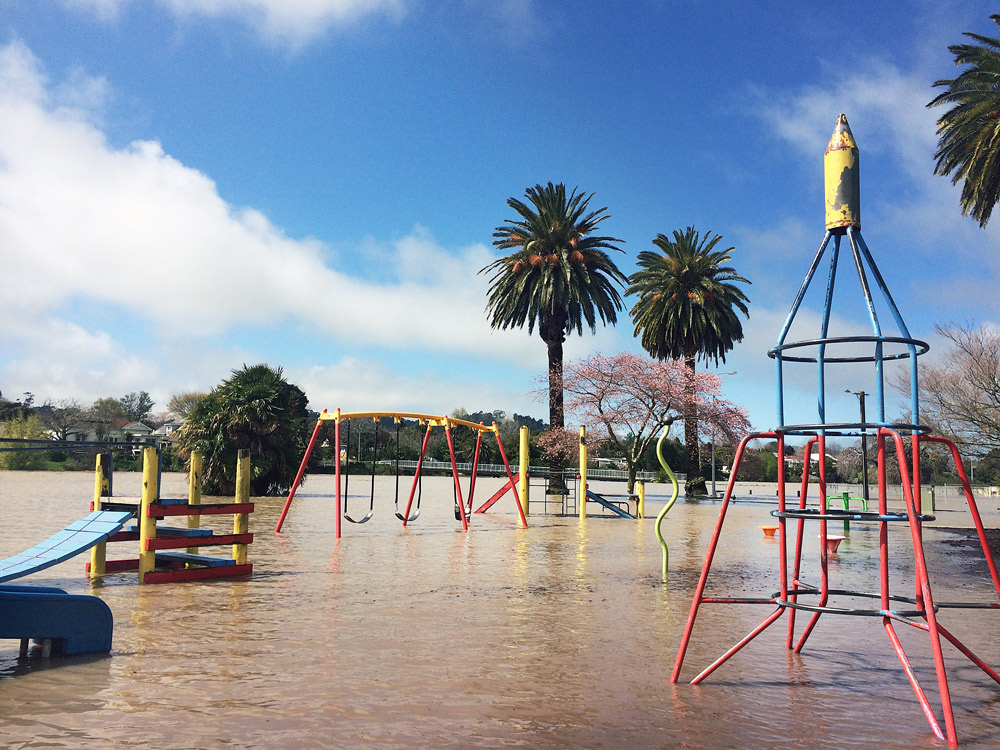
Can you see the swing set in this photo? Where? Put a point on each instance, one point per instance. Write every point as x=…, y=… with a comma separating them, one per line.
x=342, y=434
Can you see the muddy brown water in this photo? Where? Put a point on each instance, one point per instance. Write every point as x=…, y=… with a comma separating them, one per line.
x=560, y=635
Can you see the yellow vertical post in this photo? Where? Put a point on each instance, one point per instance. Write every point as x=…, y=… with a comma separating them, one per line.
x=582, y=493
x=147, y=525
x=241, y=521
x=99, y=552
x=640, y=509
x=522, y=468
x=194, y=493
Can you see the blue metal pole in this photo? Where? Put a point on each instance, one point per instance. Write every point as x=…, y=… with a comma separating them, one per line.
x=824, y=330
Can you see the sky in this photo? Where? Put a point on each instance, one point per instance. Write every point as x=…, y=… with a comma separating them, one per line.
x=188, y=186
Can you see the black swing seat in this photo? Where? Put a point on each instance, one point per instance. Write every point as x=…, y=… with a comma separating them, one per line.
x=366, y=519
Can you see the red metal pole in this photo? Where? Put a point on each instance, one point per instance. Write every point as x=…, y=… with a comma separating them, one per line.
x=782, y=552
x=800, y=529
x=710, y=555
x=925, y=704
x=973, y=509
x=883, y=530
x=823, y=553
x=336, y=470
x=510, y=477
x=454, y=474
x=920, y=569
x=475, y=466
x=416, y=474
x=732, y=652
x=298, y=477
x=968, y=653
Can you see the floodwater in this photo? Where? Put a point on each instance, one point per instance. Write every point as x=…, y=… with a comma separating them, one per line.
x=560, y=635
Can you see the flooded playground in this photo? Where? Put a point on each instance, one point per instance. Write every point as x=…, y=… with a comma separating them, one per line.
x=561, y=635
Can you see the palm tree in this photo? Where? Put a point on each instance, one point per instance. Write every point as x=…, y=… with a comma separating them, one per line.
x=687, y=307
x=256, y=409
x=557, y=278
x=969, y=132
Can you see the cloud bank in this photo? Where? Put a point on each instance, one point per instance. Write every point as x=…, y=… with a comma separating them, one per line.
x=94, y=233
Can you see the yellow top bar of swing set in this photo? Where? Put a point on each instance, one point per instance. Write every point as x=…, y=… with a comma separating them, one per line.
x=434, y=420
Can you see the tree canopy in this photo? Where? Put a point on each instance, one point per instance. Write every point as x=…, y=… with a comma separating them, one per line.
x=969, y=132
x=135, y=406
x=627, y=400
x=960, y=392
x=27, y=426
x=256, y=409
x=688, y=298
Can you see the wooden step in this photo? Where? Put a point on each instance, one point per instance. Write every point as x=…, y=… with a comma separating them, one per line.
x=189, y=559
x=174, y=531
x=209, y=541
x=205, y=509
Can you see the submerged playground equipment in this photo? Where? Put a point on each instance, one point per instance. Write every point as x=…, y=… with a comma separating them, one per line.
x=169, y=554
x=59, y=622
x=66, y=623
x=463, y=504
x=920, y=611
x=82, y=624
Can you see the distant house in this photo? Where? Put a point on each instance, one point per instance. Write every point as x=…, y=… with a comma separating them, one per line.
x=603, y=462
x=166, y=431
x=120, y=431
x=136, y=432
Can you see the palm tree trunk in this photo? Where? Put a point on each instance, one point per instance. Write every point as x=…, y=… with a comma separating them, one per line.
x=694, y=484
x=554, y=337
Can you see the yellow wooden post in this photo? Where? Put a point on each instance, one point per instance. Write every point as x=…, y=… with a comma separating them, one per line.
x=194, y=493
x=582, y=493
x=523, y=459
x=241, y=521
x=147, y=525
x=640, y=510
x=99, y=552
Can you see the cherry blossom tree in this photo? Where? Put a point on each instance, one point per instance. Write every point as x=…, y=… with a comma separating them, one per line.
x=628, y=399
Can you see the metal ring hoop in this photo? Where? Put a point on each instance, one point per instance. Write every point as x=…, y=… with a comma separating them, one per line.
x=922, y=346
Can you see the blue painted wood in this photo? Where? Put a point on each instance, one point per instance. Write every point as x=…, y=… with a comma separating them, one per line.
x=77, y=624
x=171, y=532
x=78, y=537
x=172, y=501
x=186, y=557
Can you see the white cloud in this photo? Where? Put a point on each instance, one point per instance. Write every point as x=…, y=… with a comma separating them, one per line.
x=135, y=228
x=362, y=384
x=885, y=106
x=107, y=10
x=146, y=240
x=286, y=22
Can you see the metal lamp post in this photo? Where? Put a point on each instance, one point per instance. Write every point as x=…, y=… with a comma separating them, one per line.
x=864, y=445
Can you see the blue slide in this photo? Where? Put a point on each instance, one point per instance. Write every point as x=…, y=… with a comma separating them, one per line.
x=75, y=624
x=610, y=506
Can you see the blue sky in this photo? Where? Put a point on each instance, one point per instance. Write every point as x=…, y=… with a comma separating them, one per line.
x=190, y=185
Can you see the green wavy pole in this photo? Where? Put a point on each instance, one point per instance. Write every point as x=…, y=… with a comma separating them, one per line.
x=670, y=503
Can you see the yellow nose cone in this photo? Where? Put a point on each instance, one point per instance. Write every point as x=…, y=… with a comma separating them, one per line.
x=843, y=182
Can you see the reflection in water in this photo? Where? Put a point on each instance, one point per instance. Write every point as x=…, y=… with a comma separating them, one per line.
x=555, y=636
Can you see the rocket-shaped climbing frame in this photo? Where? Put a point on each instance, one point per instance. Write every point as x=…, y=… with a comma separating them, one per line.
x=882, y=347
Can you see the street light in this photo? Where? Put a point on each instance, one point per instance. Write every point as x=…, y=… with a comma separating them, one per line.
x=714, y=494
x=864, y=444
